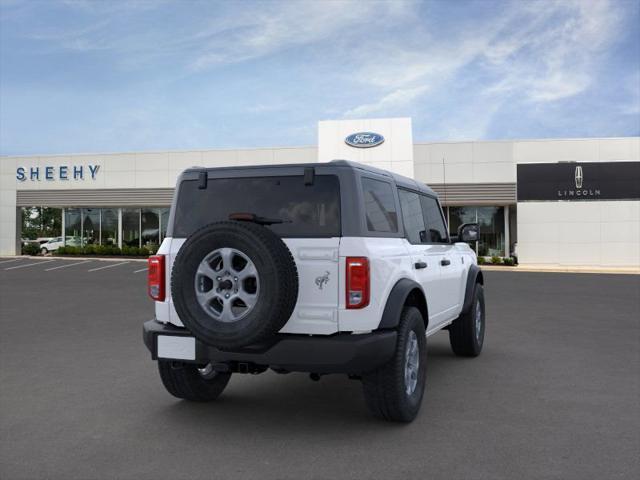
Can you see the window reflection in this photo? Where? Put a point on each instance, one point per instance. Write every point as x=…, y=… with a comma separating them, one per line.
x=131, y=227
x=150, y=227
x=164, y=221
x=72, y=226
x=491, y=220
x=109, y=226
x=90, y=226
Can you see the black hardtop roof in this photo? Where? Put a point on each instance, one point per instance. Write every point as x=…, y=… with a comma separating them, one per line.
x=400, y=180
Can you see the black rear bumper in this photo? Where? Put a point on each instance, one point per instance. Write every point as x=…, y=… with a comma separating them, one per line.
x=339, y=353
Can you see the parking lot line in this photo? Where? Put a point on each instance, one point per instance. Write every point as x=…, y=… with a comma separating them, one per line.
x=108, y=266
x=65, y=266
x=30, y=264
x=141, y=270
x=9, y=261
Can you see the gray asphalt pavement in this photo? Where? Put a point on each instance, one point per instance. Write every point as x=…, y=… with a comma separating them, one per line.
x=555, y=394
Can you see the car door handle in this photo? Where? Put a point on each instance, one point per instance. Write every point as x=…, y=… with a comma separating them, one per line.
x=419, y=265
x=445, y=262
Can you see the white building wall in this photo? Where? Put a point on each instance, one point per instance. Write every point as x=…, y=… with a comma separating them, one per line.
x=464, y=162
x=584, y=233
x=597, y=233
x=8, y=218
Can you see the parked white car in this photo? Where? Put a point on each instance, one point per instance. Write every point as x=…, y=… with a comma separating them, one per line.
x=55, y=243
x=318, y=268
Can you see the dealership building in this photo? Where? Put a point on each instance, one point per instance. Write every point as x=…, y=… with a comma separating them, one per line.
x=560, y=202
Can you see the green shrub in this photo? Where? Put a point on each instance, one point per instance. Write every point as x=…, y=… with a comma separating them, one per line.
x=481, y=261
x=496, y=260
x=508, y=261
x=31, y=249
x=89, y=250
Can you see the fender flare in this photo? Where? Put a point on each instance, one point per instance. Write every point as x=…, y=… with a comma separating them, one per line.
x=474, y=276
x=397, y=299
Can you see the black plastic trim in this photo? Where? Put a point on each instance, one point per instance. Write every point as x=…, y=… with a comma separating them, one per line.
x=396, y=301
x=474, y=276
x=340, y=353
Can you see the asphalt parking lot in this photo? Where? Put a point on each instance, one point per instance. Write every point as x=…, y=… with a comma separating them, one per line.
x=554, y=394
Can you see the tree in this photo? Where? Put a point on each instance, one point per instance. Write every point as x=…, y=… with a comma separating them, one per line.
x=41, y=222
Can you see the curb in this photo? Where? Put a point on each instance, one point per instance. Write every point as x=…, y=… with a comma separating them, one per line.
x=558, y=269
x=98, y=259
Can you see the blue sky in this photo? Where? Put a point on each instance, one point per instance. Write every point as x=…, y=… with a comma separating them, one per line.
x=99, y=76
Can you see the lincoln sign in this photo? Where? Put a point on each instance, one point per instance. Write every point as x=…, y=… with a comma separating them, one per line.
x=576, y=181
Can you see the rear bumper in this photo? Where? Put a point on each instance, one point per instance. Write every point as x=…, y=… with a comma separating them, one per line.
x=341, y=353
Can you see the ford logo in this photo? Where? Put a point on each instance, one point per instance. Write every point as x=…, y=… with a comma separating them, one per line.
x=364, y=139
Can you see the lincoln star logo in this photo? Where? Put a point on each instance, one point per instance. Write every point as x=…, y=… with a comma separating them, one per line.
x=364, y=139
x=579, y=177
x=580, y=191
x=322, y=280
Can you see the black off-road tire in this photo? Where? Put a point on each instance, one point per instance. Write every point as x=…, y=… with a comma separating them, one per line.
x=278, y=284
x=463, y=336
x=384, y=389
x=183, y=380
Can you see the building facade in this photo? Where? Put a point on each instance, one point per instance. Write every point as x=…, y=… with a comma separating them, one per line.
x=565, y=202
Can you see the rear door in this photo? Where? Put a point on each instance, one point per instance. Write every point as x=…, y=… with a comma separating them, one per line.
x=424, y=260
x=449, y=259
x=316, y=310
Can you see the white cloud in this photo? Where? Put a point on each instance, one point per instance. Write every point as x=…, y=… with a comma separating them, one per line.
x=396, y=99
x=538, y=51
x=286, y=25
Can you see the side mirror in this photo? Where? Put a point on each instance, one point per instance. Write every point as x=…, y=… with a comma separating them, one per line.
x=468, y=232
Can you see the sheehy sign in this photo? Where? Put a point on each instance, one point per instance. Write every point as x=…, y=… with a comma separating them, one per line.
x=576, y=181
x=60, y=172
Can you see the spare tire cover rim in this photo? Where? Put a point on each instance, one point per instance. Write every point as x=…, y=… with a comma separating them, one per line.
x=227, y=284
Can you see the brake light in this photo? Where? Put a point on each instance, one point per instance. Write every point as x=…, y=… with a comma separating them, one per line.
x=357, y=282
x=155, y=277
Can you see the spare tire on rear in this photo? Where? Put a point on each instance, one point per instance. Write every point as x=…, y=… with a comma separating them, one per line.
x=234, y=284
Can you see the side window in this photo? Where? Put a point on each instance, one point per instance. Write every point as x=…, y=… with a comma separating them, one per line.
x=379, y=206
x=412, y=216
x=436, y=231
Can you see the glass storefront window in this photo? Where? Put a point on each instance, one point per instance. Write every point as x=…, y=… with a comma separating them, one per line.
x=41, y=222
x=131, y=227
x=150, y=227
x=141, y=227
x=109, y=227
x=72, y=226
x=460, y=215
x=90, y=226
x=164, y=221
x=491, y=220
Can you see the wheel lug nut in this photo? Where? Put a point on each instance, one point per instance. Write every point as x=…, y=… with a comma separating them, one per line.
x=218, y=278
x=226, y=296
x=235, y=279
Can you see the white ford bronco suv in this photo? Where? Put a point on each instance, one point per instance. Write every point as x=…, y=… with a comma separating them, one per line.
x=321, y=268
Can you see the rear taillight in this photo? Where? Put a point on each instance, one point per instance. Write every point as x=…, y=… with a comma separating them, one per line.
x=155, y=277
x=357, y=282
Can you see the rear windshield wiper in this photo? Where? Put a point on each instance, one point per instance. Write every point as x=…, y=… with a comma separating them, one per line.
x=252, y=217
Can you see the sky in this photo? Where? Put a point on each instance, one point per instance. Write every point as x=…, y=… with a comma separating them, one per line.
x=89, y=76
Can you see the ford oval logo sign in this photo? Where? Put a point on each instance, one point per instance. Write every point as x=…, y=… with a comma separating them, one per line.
x=364, y=139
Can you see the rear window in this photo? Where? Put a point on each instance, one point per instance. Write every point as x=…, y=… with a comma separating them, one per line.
x=379, y=206
x=307, y=210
